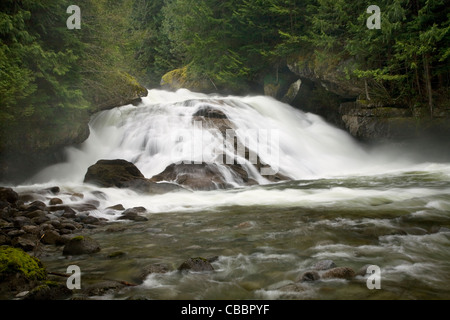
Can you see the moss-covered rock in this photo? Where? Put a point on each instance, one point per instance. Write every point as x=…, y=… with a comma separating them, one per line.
x=14, y=261
x=181, y=79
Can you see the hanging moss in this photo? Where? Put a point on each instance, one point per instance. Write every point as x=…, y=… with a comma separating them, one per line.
x=13, y=261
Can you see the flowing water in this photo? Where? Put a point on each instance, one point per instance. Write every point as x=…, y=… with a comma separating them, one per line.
x=345, y=202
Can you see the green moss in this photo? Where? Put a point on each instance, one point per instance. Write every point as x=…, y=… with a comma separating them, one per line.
x=176, y=78
x=13, y=261
x=77, y=238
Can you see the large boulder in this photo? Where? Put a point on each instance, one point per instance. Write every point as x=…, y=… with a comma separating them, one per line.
x=202, y=176
x=124, y=174
x=113, y=173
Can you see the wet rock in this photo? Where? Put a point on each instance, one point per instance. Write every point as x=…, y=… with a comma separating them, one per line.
x=53, y=190
x=81, y=245
x=154, y=268
x=123, y=174
x=50, y=290
x=36, y=205
x=40, y=220
x=340, y=273
x=8, y=195
x=198, y=264
x=35, y=213
x=309, y=276
x=324, y=265
x=31, y=229
x=89, y=220
x=55, y=201
x=27, y=242
x=103, y=287
x=204, y=176
x=134, y=214
x=363, y=270
x=212, y=259
x=112, y=173
x=117, y=207
x=83, y=207
x=52, y=237
x=21, y=221
x=19, y=271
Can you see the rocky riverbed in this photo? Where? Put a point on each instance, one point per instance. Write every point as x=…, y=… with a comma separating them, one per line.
x=39, y=231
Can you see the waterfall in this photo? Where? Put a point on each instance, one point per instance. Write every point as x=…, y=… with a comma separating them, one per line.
x=191, y=128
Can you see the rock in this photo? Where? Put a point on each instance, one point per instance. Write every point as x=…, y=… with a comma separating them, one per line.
x=8, y=195
x=27, y=242
x=35, y=213
x=178, y=79
x=324, y=265
x=340, y=273
x=292, y=92
x=154, y=268
x=117, y=207
x=308, y=276
x=81, y=245
x=204, y=176
x=18, y=270
x=50, y=290
x=133, y=214
x=124, y=174
x=36, y=205
x=196, y=264
x=40, y=220
x=363, y=270
x=21, y=221
x=53, y=190
x=89, y=220
x=52, y=237
x=55, y=201
x=83, y=207
x=113, y=173
x=103, y=287
x=31, y=229
x=4, y=240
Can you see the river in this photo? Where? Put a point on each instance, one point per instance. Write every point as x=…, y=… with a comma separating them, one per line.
x=344, y=201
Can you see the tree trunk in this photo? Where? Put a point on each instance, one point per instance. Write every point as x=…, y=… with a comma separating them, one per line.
x=426, y=66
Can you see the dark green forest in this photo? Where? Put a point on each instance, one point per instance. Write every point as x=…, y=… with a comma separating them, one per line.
x=51, y=78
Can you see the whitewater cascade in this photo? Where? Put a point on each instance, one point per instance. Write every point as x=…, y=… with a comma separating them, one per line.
x=168, y=127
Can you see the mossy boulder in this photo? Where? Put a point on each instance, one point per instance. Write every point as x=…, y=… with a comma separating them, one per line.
x=15, y=261
x=181, y=79
x=18, y=271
